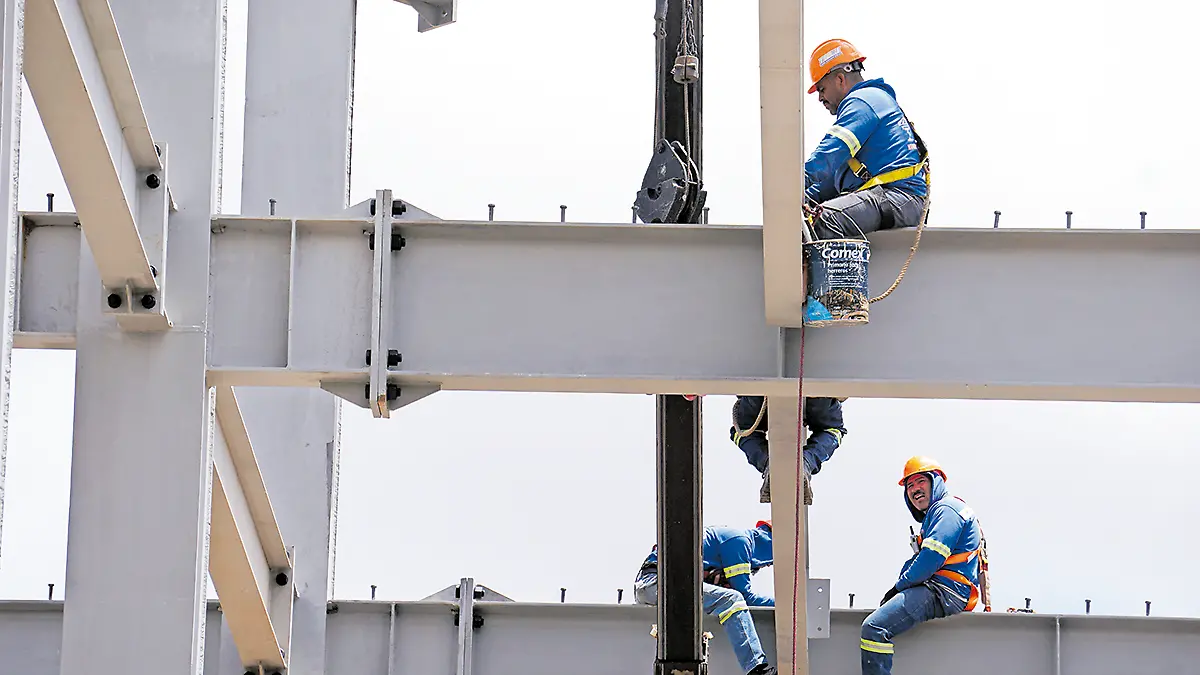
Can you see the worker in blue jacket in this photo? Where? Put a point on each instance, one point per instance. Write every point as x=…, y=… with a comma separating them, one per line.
x=869, y=172
x=731, y=557
x=822, y=416
x=940, y=579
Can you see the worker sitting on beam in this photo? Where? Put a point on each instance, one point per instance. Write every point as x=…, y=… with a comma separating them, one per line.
x=942, y=577
x=731, y=556
x=822, y=416
x=870, y=170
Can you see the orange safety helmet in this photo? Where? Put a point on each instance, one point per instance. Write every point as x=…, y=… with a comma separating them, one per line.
x=829, y=55
x=921, y=464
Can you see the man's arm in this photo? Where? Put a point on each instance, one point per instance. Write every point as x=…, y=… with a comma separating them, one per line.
x=735, y=556
x=944, y=530
x=853, y=125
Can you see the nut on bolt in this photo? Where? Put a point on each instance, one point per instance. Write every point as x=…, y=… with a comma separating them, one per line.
x=281, y=579
x=148, y=301
x=152, y=181
x=114, y=300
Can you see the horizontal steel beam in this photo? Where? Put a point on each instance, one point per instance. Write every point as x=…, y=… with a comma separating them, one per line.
x=81, y=82
x=1002, y=314
x=380, y=638
x=489, y=306
x=250, y=566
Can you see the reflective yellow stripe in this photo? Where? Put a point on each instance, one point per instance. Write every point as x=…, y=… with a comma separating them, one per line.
x=846, y=136
x=937, y=547
x=734, y=570
x=737, y=607
x=878, y=647
x=836, y=433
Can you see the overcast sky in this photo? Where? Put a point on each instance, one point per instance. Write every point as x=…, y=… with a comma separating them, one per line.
x=1031, y=108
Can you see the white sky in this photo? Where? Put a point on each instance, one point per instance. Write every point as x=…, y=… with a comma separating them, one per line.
x=1028, y=107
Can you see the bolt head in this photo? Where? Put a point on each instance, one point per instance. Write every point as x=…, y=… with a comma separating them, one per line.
x=152, y=181
x=281, y=579
x=148, y=301
x=114, y=300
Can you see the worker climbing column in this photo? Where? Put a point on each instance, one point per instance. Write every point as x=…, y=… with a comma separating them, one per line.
x=672, y=192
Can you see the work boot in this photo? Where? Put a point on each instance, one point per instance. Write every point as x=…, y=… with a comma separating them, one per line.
x=764, y=493
x=763, y=669
x=808, y=494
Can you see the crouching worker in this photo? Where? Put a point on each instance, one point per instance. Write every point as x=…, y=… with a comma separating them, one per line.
x=731, y=556
x=822, y=416
x=941, y=579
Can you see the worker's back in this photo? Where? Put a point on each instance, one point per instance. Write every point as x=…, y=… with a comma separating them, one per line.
x=890, y=143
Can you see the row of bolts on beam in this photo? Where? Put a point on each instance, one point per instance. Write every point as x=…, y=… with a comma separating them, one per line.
x=562, y=217
x=621, y=592
x=562, y=598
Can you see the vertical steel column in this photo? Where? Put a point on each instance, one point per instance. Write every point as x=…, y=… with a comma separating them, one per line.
x=680, y=528
x=12, y=42
x=680, y=525
x=141, y=466
x=299, y=84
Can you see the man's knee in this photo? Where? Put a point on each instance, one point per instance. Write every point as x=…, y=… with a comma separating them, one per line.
x=823, y=413
x=723, y=602
x=872, y=628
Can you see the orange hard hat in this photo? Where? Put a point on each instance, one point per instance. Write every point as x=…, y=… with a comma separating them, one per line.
x=829, y=55
x=920, y=464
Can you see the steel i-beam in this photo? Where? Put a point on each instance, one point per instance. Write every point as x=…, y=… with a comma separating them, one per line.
x=81, y=81
x=251, y=567
x=680, y=530
x=782, y=77
x=678, y=119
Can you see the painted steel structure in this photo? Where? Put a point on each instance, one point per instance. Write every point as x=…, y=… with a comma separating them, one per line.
x=231, y=464
x=403, y=638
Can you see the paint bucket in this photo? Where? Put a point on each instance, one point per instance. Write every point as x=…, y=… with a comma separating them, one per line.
x=837, y=282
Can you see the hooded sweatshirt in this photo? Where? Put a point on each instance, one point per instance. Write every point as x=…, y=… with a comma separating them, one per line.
x=948, y=528
x=871, y=128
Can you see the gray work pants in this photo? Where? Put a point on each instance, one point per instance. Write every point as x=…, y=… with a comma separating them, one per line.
x=857, y=214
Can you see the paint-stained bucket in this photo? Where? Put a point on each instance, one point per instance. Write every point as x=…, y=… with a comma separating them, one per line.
x=837, y=282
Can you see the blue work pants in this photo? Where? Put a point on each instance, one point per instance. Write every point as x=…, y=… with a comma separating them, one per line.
x=724, y=603
x=905, y=610
x=822, y=416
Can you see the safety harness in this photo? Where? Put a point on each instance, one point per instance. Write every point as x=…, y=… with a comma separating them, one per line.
x=978, y=592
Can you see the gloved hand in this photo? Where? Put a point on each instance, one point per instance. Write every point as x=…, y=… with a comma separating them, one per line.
x=889, y=595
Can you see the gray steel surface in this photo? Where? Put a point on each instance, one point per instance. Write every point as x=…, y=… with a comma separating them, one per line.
x=141, y=464
x=537, y=639
x=299, y=78
x=982, y=313
x=1017, y=314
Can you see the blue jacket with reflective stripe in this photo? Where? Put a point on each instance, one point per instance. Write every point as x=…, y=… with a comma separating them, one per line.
x=871, y=128
x=948, y=527
x=738, y=553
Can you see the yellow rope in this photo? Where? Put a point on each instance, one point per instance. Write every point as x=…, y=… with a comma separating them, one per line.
x=916, y=243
